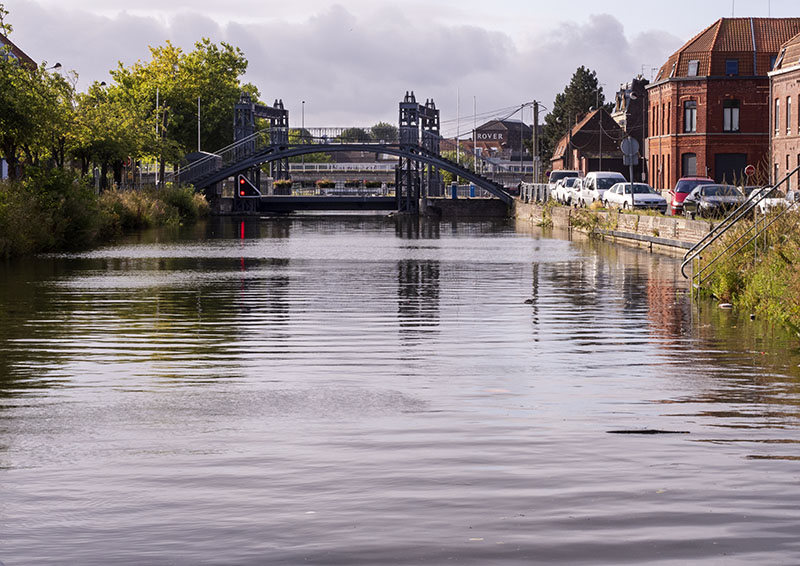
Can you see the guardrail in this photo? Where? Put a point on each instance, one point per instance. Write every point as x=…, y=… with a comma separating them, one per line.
x=702, y=273
x=534, y=192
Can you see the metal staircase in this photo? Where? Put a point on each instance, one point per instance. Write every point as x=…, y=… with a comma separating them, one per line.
x=701, y=272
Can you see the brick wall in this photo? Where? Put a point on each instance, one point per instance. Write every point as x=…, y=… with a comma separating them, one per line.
x=668, y=142
x=786, y=142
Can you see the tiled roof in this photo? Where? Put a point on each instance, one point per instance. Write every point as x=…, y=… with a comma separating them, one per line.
x=753, y=41
x=790, y=54
x=17, y=52
x=583, y=137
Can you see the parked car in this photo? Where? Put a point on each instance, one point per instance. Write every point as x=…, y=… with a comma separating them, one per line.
x=574, y=192
x=561, y=192
x=768, y=199
x=792, y=197
x=682, y=188
x=596, y=183
x=644, y=197
x=559, y=174
x=711, y=200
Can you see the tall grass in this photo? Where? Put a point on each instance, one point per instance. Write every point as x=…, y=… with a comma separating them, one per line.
x=50, y=210
x=764, y=276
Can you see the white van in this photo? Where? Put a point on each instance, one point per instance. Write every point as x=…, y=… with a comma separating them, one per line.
x=598, y=182
x=558, y=174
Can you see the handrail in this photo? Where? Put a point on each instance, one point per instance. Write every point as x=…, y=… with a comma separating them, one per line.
x=740, y=212
x=278, y=137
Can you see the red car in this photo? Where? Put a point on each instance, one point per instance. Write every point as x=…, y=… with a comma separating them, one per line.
x=683, y=187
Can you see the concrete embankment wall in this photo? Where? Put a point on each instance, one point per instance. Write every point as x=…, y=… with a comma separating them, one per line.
x=667, y=233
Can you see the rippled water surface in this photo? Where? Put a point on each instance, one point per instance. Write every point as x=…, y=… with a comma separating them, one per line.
x=338, y=390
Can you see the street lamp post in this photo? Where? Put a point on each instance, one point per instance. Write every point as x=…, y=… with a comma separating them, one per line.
x=303, y=132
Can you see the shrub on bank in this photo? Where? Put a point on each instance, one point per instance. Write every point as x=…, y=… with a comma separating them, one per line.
x=51, y=210
x=764, y=280
x=48, y=210
x=172, y=205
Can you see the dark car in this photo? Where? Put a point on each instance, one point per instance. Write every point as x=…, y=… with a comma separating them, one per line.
x=711, y=200
x=683, y=187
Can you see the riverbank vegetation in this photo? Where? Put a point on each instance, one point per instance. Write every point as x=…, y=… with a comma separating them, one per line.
x=52, y=210
x=764, y=276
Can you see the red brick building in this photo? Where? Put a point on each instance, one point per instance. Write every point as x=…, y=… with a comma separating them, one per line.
x=708, y=107
x=591, y=145
x=785, y=114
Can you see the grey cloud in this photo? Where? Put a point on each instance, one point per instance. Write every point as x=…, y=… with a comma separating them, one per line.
x=351, y=68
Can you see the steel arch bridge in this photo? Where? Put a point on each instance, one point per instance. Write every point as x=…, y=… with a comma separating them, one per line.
x=418, y=147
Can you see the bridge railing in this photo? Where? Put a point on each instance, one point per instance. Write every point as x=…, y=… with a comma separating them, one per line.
x=276, y=137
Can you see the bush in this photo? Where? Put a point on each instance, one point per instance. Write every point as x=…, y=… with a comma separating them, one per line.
x=48, y=210
x=325, y=184
x=372, y=184
x=127, y=210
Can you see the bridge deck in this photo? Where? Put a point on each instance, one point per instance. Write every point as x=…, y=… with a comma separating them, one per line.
x=292, y=203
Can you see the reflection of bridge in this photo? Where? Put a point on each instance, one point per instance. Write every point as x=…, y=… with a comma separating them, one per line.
x=416, y=143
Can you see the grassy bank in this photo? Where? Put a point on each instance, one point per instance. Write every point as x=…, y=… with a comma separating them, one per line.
x=764, y=277
x=52, y=211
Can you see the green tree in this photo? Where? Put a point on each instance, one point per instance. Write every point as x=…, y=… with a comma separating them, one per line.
x=383, y=131
x=355, y=135
x=109, y=129
x=464, y=158
x=173, y=82
x=300, y=135
x=35, y=109
x=581, y=94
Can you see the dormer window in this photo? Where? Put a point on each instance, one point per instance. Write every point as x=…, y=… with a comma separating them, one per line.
x=694, y=67
x=776, y=61
x=731, y=67
x=672, y=71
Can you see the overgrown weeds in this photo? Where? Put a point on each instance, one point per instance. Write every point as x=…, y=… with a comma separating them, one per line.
x=760, y=275
x=51, y=210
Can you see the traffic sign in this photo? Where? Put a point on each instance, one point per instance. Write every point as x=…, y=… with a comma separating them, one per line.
x=750, y=170
x=629, y=146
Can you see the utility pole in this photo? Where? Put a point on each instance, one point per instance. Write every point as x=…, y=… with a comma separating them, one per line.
x=198, y=124
x=535, y=148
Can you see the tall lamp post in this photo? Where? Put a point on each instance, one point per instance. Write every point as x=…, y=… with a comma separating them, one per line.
x=303, y=133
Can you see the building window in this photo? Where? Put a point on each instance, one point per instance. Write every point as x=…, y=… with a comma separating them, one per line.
x=694, y=66
x=731, y=67
x=775, y=178
x=788, y=168
x=690, y=116
x=669, y=115
x=777, y=116
x=788, y=115
x=730, y=115
x=776, y=62
x=689, y=165
x=663, y=118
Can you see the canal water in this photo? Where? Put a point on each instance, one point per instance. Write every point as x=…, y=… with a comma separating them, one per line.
x=351, y=390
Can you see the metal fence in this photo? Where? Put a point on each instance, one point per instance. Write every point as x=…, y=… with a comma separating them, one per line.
x=534, y=192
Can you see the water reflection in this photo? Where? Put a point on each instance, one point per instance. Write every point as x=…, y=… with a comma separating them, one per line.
x=417, y=298
x=349, y=388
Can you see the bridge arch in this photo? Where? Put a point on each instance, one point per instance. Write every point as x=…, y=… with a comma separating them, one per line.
x=415, y=153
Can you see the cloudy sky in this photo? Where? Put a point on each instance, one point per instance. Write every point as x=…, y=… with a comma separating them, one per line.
x=352, y=60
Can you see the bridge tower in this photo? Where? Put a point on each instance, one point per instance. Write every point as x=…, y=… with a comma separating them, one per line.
x=413, y=181
x=245, y=113
x=407, y=174
x=430, y=141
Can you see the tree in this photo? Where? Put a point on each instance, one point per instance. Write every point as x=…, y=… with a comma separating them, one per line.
x=173, y=82
x=355, y=135
x=383, y=131
x=301, y=135
x=109, y=129
x=582, y=94
x=35, y=109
